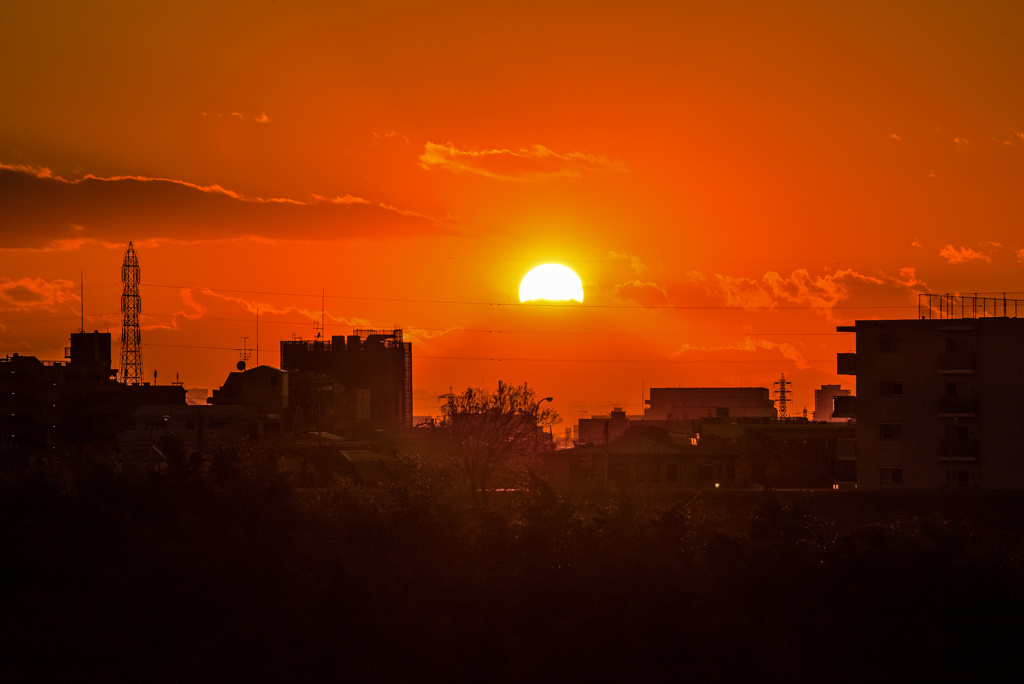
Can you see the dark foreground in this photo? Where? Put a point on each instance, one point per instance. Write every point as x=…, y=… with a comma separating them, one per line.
x=232, y=575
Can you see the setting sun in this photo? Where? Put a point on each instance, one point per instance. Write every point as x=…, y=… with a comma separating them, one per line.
x=552, y=282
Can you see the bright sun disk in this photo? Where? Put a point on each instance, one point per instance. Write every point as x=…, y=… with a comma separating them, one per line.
x=552, y=282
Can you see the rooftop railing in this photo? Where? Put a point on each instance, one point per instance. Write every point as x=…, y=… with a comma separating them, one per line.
x=957, y=306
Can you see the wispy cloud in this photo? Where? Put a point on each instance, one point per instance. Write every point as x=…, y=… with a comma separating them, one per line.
x=537, y=163
x=962, y=255
x=197, y=309
x=46, y=211
x=822, y=292
x=390, y=135
x=643, y=294
x=36, y=294
x=908, y=278
x=750, y=345
x=743, y=293
x=634, y=261
x=251, y=306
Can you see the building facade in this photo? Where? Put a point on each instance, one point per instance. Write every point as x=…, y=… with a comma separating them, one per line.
x=71, y=405
x=825, y=402
x=362, y=379
x=692, y=403
x=940, y=399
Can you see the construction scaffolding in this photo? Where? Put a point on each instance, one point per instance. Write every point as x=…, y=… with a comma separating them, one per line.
x=954, y=306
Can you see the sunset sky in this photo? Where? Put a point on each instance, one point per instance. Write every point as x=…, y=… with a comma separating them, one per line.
x=730, y=180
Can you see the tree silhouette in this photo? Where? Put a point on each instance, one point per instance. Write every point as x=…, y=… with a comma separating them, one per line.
x=487, y=435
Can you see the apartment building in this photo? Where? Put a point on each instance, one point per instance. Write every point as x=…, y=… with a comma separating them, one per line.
x=940, y=399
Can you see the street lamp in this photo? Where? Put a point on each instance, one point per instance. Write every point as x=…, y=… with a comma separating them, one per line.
x=536, y=419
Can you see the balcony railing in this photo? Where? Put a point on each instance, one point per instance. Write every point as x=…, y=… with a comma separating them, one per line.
x=961, y=406
x=957, y=361
x=846, y=363
x=844, y=407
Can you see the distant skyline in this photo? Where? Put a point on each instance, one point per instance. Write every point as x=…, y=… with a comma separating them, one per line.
x=730, y=182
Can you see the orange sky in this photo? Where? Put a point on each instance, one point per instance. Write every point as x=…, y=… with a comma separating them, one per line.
x=730, y=180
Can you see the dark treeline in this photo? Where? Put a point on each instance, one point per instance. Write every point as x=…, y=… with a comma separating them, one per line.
x=225, y=572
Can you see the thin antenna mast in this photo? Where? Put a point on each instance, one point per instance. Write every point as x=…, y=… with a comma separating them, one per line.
x=257, y=334
x=81, y=283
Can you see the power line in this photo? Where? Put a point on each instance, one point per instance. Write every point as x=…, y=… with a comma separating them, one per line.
x=537, y=304
x=541, y=359
x=492, y=331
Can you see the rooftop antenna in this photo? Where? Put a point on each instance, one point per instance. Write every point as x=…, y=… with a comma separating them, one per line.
x=257, y=334
x=131, y=307
x=783, y=393
x=244, y=355
x=81, y=283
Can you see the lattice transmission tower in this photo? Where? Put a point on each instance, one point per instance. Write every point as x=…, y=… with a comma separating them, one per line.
x=131, y=307
x=783, y=393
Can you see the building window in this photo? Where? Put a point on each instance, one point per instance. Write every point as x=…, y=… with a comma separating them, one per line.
x=891, y=431
x=958, y=477
x=890, y=475
x=956, y=345
x=951, y=389
x=963, y=432
x=890, y=388
x=671, y=472
x=705, y=472
x=890, y=345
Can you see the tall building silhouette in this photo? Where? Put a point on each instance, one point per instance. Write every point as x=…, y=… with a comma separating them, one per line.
x=940, y=399
x=364, y=379
x=825, y=404
x=131, y=307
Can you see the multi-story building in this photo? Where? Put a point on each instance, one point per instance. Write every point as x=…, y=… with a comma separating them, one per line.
x=601, y=429
x=940, y=399
x=51, y=406
x=691, y=403
x=824, y=403
x=362, y=380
